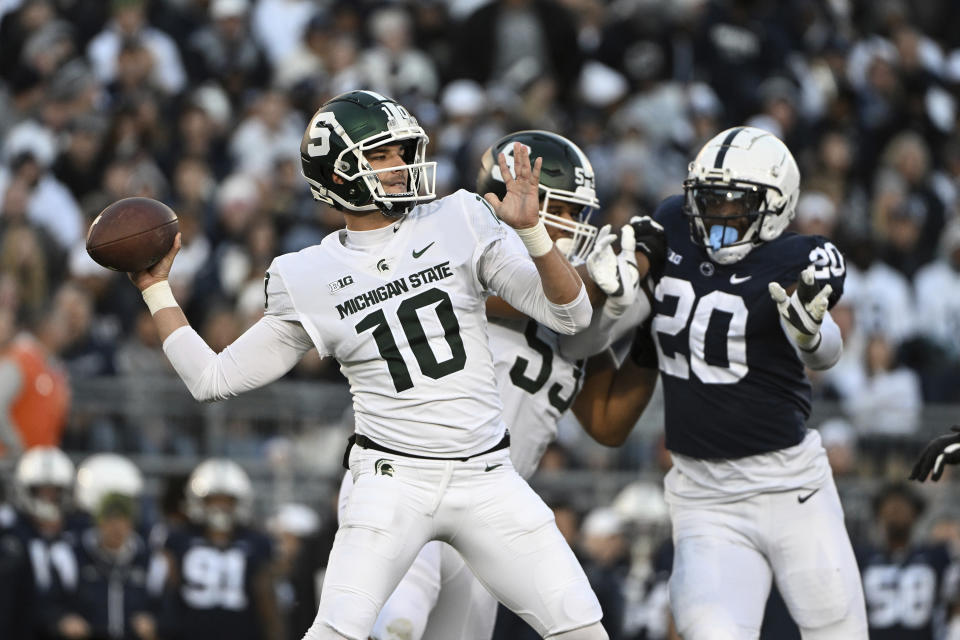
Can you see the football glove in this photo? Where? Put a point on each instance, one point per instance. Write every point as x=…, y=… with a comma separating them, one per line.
x=803, y=311
x=651, y=240
x=941, y=451
x=617, y=275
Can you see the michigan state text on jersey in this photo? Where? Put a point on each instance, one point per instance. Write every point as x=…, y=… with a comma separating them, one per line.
x=417, y=360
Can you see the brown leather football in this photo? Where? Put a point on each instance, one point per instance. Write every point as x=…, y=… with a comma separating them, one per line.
x=132, y=234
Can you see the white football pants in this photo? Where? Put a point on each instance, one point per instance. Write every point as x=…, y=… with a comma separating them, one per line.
x=438, y=599
x=727, y=554
x=482, y=508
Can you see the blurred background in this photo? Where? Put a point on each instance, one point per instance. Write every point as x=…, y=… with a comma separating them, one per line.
x=202, y=104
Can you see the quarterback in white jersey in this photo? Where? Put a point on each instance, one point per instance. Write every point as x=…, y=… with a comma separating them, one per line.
x=439, y=598
x=398, y=299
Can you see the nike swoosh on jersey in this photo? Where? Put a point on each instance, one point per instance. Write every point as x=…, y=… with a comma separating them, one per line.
x=802, y=499
x=734, y=279
x=417, y=254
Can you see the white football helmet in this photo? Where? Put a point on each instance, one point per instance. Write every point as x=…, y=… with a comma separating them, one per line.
x=105, y=474
x=219, y=477
x=754, y=172
x=43, y=467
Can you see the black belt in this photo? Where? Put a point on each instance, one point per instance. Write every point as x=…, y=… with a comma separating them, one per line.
x=366, y=443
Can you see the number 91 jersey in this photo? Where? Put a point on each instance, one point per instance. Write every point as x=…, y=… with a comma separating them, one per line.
x=215, y=596
x=733, y=383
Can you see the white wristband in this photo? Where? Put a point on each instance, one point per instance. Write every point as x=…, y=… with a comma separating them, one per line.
x=159, y=296
x=536, y=239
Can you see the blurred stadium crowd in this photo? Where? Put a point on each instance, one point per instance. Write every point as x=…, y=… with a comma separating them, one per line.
x=202, y=104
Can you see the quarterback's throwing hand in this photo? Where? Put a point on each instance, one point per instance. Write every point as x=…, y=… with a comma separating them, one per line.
x=616, y=275
x=803, y=311
x=520, y=207
x=941, y=451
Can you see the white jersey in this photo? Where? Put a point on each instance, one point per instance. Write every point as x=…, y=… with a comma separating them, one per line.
x=407, y=322
x=537, y=385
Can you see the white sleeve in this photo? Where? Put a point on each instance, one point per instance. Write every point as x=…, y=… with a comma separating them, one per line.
x=264, y=352
x=829, y=349
x=604, y=330
x=515, y=278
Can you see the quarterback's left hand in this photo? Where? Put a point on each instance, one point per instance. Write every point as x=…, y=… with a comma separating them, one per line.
x=616, y=274
x=941, y=451
x=520, y=207
x=803, y=311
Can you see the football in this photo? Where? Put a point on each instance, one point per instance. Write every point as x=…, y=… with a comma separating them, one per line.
x=132, y=234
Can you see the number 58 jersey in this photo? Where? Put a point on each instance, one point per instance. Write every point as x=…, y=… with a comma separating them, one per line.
x=733, y=383
x=405, y=318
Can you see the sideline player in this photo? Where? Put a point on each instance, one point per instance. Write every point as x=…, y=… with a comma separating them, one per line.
x=751, y=495
x=439, y=598
x=398, y=299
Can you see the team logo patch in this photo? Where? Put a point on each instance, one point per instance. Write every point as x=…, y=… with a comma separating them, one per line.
x=336, y=285
x=382, y=265
x=382, y=467
x=707, y=268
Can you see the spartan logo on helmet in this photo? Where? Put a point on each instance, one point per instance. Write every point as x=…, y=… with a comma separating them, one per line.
x=566, y=177
x=336, y=140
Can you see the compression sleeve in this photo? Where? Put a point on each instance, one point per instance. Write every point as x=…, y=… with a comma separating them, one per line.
x=604, y=330
x=510, y=272
x=828, y=351
x=264, y=352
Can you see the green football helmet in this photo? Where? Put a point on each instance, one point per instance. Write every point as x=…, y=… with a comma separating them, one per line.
x=566, y=175
x=334, y=144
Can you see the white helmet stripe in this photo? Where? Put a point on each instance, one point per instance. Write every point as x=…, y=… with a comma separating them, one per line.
x=376, y=95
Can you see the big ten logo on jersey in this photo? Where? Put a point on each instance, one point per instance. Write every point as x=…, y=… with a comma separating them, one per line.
x=214, y=578
x=336, y=285
x=828, y=261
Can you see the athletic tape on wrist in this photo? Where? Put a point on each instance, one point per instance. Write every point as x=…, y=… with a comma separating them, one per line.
x=159, y=296
x=536, y=239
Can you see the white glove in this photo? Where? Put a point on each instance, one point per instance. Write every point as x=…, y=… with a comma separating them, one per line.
x=616, y=275
x=803, y=311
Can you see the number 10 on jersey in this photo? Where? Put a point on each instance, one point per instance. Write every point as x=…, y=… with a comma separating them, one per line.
x=417, y=338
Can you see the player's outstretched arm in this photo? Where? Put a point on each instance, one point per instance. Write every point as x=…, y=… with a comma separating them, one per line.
x=940, y=451
x=520, y=209
x=264, y=352
x=612, y=400
x=804, y=318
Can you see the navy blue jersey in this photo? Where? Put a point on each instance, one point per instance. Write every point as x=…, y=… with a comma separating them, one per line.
x=733, y=384
x=111, y=589
x=215, y=595
x=53, y=569
x=907, y=594
x=17, y=592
